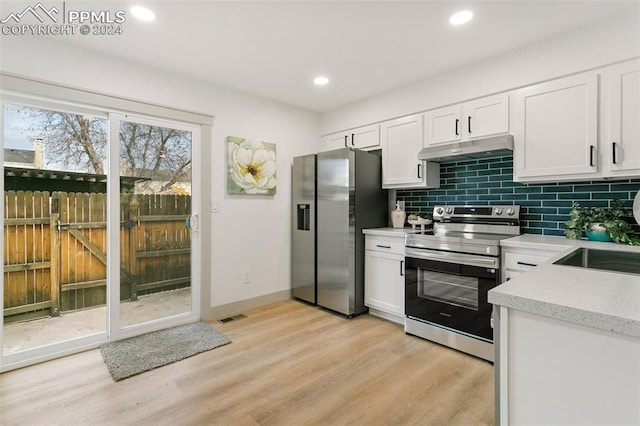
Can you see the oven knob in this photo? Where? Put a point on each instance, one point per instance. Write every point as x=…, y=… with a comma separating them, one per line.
x=449, y=210
x=439, y=210
x=498, y=211
x=510, y=212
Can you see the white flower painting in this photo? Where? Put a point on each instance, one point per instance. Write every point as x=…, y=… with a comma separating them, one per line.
x=251, y=166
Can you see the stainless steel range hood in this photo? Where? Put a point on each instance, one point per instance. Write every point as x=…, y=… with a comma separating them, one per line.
x=468, y=150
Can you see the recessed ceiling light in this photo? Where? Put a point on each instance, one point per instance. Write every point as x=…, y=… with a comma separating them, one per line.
x=461, y=17
x=320, y=81
x=143, y=13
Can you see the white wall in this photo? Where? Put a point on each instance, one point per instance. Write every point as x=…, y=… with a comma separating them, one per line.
x=611, y=41
x=249, y=233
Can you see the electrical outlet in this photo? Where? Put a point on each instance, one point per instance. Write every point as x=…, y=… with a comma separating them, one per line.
x=246, y=277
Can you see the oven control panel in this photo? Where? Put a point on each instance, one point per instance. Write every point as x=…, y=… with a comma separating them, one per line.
x=479, y=212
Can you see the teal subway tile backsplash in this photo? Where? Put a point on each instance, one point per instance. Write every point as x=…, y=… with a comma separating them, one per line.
x=489, y=181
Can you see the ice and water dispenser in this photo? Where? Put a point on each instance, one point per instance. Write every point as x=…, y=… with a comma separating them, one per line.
x=304, y=217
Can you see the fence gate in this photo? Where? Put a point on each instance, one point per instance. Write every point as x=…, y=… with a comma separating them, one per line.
x=79, y=250
x=55, y=250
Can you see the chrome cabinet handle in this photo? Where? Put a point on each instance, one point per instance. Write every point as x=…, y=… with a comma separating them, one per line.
x=419, y=177
x=591, y=151
x=381, y=246
x=457, y=133
x=613, y=146
x=526, y=264
x=402, y=268
x=353, y=136
x=469, y=124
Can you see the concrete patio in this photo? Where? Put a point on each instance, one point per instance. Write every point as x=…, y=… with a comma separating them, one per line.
x=25, y=335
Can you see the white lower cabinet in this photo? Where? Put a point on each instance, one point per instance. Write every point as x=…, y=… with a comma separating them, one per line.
x=384, y=277
x=562, y=373
x=516, y=260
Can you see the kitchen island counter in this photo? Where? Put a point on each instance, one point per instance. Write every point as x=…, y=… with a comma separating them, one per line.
x=567, y=339
x=540, y=242
x=606, y=300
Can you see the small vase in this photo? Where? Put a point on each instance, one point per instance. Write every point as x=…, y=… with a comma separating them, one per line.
x=398, y=216
x=597, y=232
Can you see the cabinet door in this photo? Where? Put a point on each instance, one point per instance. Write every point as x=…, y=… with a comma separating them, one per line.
x=443, y=125
x=335, y=141
x=556, y=129
x=622, y=142
x=487, y=116
x=401, y=140
x=516, y=261
x=367, y=137
x=384, y=276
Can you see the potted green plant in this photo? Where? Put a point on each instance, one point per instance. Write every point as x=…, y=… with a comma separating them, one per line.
x=601, y=224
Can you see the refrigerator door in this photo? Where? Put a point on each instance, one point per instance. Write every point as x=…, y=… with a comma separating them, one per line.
x=303, y=229
x=349, y=198
x=369, y=211
x=336, y=245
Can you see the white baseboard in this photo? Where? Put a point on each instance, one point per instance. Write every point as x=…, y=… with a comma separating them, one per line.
x=398, y=319
x=234, y=308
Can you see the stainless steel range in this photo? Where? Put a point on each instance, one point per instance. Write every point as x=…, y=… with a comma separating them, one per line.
x=450, y=269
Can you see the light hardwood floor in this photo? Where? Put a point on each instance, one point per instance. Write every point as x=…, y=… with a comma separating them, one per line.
x=288, y=364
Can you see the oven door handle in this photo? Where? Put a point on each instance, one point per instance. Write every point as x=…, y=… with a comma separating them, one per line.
x=450, y=257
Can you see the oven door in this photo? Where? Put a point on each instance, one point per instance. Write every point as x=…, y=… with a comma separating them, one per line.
x=450, y=289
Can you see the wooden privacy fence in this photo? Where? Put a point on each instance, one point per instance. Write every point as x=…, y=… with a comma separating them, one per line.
x=55, y=249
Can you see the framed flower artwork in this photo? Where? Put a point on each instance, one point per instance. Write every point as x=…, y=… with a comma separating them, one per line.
x=251, y=166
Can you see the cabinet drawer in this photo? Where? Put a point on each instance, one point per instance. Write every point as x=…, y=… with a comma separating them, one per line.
x=510, y=274
x=385, y=244
x=521, y=261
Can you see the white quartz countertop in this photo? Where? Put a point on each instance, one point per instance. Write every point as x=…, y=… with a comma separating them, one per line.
x=600, y=299
x=541, y=242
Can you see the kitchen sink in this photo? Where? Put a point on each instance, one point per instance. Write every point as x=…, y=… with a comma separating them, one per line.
x=608, y=260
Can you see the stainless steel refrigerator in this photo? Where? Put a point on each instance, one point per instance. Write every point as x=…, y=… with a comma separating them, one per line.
x=335, y=195
x=303, y=231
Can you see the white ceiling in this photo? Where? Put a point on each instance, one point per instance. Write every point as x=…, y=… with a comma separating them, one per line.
x=275, y=48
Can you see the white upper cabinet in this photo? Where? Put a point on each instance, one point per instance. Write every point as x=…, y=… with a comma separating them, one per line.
x=486, y=117
x=556, y=129
x=469, y=120
x=401, y=141
x=621, y=144
x=443, y=125
x=582, y=127
x=365, y=138
x=335, y=141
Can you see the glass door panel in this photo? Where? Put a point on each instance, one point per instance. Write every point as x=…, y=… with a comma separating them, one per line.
x=55, y=228
x=155, y=212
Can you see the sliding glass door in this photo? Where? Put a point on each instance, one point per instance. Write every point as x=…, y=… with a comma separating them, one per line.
x=156, y=215
x=99, y=217
x=54, y=229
